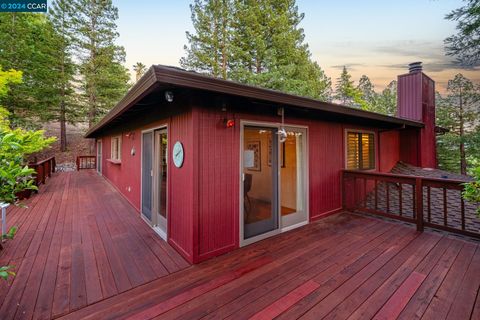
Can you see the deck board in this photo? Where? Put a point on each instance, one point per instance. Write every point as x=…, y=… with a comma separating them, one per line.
x=82, y=252
x=73, y=248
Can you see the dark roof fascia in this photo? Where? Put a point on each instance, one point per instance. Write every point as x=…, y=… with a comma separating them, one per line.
x=178, y=77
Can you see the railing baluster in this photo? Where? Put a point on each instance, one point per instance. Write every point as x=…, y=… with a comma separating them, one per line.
x=462, y=210
x=429, y=205
x=388, y=197
x=400, y=198
x=445, y=220
x=376, y=194
x=419, y=196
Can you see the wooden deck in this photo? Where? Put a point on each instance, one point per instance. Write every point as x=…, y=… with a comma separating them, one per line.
x=92, y=265
x=78, y=242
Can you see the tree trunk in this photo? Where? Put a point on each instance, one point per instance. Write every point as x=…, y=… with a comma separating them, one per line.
x=463, y=158
x=63, y=128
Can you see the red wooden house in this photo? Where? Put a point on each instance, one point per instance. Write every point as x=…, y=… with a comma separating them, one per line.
x=213, y=165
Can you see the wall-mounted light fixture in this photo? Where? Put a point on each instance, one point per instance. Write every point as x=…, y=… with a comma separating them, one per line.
x=169, y=96
x=229, y=123
x=130, y=135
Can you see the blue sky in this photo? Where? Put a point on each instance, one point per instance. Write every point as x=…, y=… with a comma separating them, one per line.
x=377, y=38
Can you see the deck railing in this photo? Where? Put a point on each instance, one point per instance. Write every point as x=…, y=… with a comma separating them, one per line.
x=426, y=202
x=86, y=162
x=44, y=169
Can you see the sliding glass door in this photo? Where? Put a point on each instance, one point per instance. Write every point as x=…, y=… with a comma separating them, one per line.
x=273, y=177
x=260, y=181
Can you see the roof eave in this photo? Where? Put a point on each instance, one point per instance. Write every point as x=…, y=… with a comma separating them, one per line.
x=173, y=76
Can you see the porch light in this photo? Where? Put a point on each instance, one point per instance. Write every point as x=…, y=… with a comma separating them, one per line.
x=169, y=96
x=229, y=123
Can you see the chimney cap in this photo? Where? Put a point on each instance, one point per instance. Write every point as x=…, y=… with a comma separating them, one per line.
x=415, y=67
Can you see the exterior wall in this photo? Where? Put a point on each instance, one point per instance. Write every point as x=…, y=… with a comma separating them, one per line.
x=125, y=176
x=389, y=150
x=203, y=195
x=182, y=187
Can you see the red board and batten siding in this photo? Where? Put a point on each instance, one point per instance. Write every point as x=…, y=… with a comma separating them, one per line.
x=127, y=174
x=182, y=192
x=388, y=149
x=416, y=101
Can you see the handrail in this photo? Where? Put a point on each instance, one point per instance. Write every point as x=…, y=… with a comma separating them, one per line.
x=44, y=169
x=432, y=202
x=86, y=162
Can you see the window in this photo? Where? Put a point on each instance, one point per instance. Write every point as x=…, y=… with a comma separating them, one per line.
x=116, y=153
x=360, y=150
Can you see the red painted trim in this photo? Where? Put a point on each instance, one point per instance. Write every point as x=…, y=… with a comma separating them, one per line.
x=394, y=306
x=325, y=214
x=217, y=252
x=282, y=304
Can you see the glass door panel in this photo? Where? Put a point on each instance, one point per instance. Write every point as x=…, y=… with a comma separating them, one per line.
x=147, y=172
x=260, y=181
x=161, y=179
x=292, y=178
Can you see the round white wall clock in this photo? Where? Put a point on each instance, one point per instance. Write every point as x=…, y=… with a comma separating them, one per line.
x=178, y=154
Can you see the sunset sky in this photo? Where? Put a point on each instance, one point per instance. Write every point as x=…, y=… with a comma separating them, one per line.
x=376, y=38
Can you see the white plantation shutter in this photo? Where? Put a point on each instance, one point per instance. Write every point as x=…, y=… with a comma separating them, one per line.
x=360, y=151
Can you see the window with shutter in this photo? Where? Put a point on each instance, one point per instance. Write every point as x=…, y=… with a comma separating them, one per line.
x=116, y=150
x=360, y=147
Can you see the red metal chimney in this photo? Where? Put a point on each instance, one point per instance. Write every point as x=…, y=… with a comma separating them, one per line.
x=416, y=101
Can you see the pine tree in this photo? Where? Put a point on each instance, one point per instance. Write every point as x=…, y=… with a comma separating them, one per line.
x=465, y=45
x=208, y=49
x=254, y=42
x=459, y=112
x=346, y=92
x=386, y=102
x=139, y=69
x=63, y=68
x=25, y=45
x=367, y=90
x=104, y=78
x=269, y=50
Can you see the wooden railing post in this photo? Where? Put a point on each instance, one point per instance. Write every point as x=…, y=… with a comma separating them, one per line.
x=419, y=203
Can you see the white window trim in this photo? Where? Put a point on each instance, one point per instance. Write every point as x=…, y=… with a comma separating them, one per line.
x=118, y=155
x=345, y=144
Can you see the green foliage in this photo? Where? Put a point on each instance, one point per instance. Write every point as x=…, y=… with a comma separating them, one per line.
x=254, y=42
x=472, y=189
x=104, y=78
x=465, y=45
x=15, y=145
x=11, y=233
x=459, y=111
x=139, y=69
x=24, y=45
x=346, y=92
x=5, y=272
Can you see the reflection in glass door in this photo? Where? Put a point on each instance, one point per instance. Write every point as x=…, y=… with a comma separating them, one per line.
x=260, y=181
x=292, y=178
x=160, y=173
